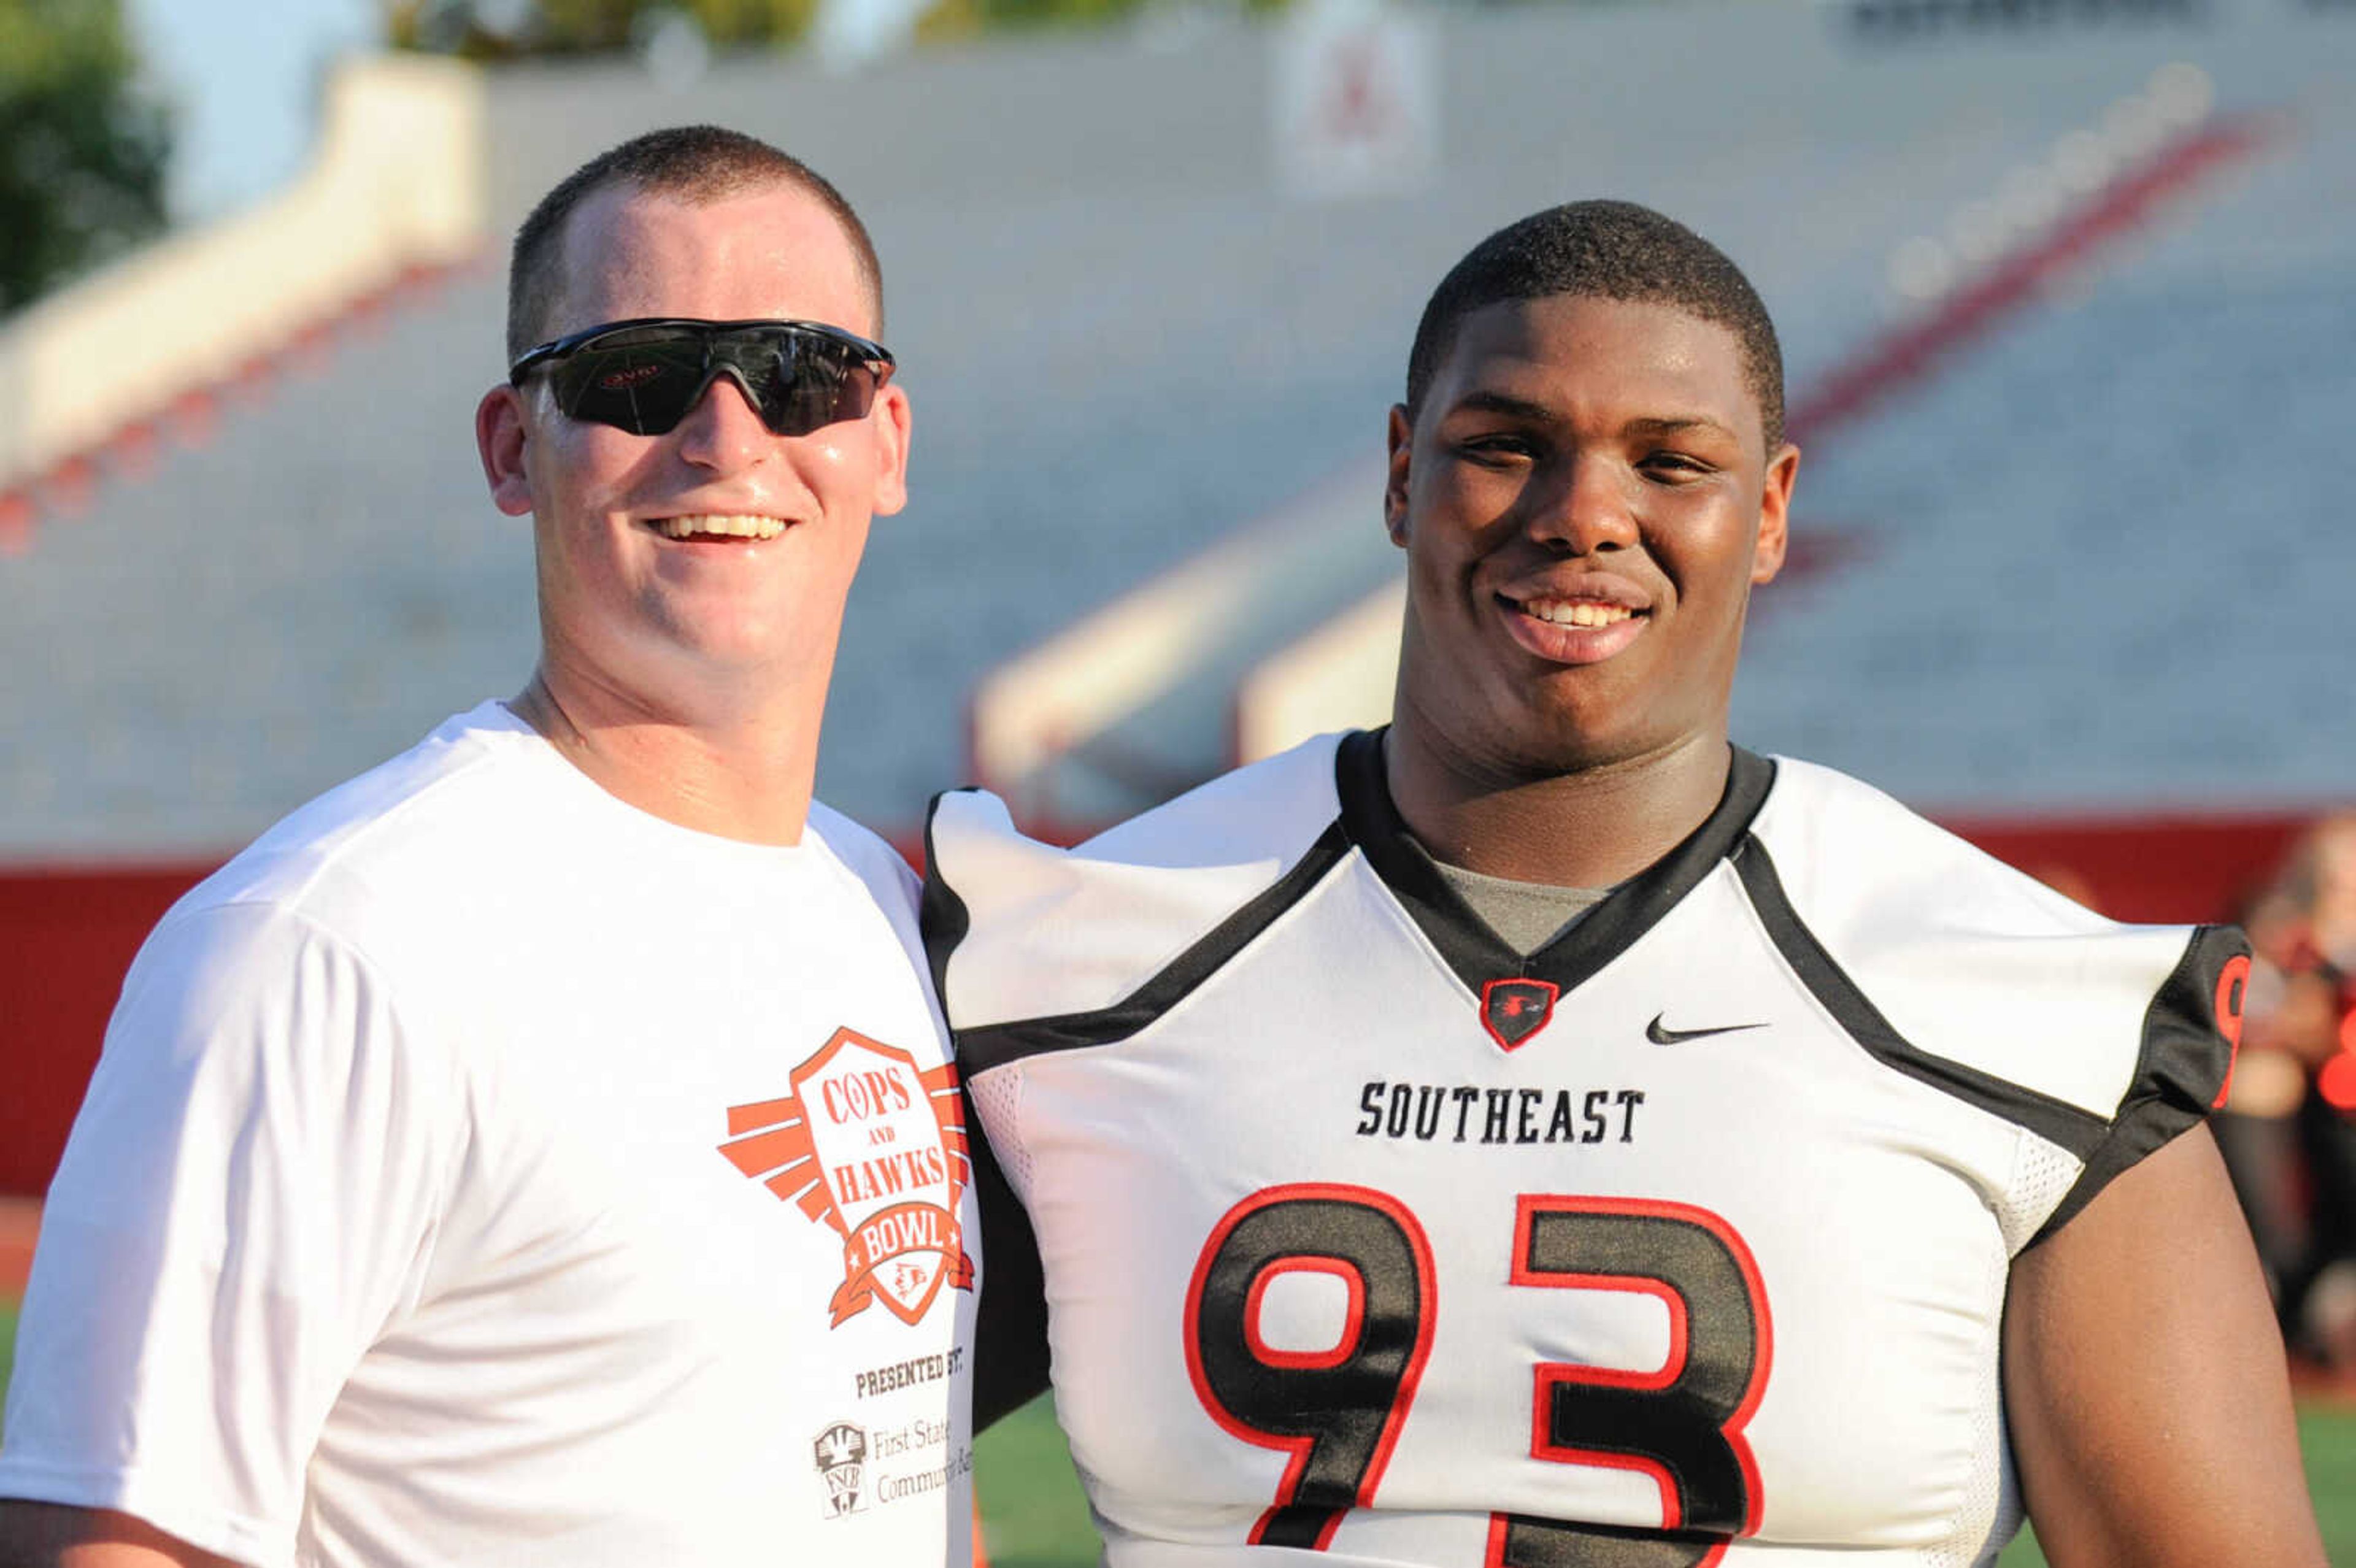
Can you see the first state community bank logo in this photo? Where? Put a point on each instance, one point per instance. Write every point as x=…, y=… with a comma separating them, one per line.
x=842, y=1454
x=874, y=1145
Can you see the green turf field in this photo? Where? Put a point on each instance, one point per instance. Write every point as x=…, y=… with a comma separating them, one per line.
x=1033, y=1516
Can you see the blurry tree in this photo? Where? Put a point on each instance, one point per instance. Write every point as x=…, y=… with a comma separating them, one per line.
x=81, y=150
x=506, y=29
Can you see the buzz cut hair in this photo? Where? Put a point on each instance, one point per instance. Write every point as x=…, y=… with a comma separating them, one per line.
x=697, y=163
x=1605, y=250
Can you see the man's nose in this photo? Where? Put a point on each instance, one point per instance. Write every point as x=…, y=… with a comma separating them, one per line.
x=723, y=430
x=1585, y=505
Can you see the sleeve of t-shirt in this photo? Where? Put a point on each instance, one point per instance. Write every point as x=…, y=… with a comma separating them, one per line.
x=246, y=1202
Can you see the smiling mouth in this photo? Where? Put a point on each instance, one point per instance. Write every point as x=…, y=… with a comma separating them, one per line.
x=720, y=526
x=1580, y=631
x=1573, y=612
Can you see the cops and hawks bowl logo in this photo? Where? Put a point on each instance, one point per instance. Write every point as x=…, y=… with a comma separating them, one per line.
x=874, y=1145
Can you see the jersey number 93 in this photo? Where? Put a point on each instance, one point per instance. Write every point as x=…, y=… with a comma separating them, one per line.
x=1338, y=1412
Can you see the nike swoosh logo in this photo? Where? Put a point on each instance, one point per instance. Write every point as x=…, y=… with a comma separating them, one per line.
x=1659, y=1036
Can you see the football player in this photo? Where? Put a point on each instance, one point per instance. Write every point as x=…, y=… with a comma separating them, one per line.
x=1540, y=1132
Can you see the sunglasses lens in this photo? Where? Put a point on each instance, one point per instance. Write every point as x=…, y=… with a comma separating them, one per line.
x=807, y=382
x=640, y=381
x=643, y=379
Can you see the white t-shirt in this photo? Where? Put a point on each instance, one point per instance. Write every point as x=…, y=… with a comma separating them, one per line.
x=481, y=1171
x=1681, y=1240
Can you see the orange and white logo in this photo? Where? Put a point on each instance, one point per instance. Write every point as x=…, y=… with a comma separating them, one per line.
x=874, y=1147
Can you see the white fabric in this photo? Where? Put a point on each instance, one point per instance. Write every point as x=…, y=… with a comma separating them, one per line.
x=397, y=1227
x=1109, y=929
x=1338, y=1052
x=1965, y=957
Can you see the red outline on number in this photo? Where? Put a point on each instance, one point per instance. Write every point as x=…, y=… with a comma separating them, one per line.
x=1427, y=1285
x=2232, y=990
x=1552, y=1374
x=1354, y=1316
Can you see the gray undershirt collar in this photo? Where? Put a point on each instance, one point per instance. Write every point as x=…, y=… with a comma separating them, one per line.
x=1525, y=915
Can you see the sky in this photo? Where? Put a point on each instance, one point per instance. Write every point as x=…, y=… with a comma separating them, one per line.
x=243, y=77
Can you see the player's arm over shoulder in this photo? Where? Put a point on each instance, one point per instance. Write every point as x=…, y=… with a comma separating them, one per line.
x=1024, y=933
x=1017, y=929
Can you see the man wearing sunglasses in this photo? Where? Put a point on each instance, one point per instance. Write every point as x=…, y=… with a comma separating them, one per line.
x=542, y=1149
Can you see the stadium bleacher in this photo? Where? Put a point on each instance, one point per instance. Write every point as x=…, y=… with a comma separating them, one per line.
x=1123, y=343
x=2098, y=548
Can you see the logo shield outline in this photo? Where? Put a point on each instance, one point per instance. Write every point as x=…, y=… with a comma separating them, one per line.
x=1513, y=1010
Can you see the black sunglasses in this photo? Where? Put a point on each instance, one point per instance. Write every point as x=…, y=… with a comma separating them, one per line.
x=643, y=376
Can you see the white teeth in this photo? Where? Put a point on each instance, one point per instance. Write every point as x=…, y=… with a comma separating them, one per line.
x=720, y=523
x=1577, y=611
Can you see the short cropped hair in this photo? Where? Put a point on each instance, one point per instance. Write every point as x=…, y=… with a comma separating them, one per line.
x=696, y=163
x=1605, y=250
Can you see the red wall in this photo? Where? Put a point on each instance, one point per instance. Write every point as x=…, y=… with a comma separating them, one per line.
x=66, y=937
x=2160, y=869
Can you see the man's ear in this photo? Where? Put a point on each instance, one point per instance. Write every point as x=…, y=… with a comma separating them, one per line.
x=1402, y=442
x=501, y=437
x=1775, y=515
x=892, y=435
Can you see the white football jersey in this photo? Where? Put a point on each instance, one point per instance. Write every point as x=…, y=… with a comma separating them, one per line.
x=480, y=1170
x=1682, y=1240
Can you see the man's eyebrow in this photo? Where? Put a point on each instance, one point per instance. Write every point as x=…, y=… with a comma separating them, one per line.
x=1673, y=425
x=1488, y=403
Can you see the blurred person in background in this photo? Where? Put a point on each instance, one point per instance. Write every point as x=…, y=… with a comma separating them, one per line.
x=2290, y=1130
x=413, y=1215
x=1542, y=1133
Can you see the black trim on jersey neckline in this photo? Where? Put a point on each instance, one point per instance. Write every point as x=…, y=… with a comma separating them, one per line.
x=986, y=1045
x=1477, y=954
x=2057, y=1121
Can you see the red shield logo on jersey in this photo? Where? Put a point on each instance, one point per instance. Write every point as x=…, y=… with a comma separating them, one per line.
x=874, y=1145
x=1512, y=1010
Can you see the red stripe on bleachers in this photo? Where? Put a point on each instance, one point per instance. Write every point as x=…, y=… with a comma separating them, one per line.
x=1895, y=359
x=190, y=416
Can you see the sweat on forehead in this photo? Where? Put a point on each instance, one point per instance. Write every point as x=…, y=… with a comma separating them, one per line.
x=697, y=163
x=1607, y=250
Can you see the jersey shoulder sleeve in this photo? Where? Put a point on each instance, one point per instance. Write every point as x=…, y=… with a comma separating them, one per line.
x=1017, y=930
x=2104, y=1040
